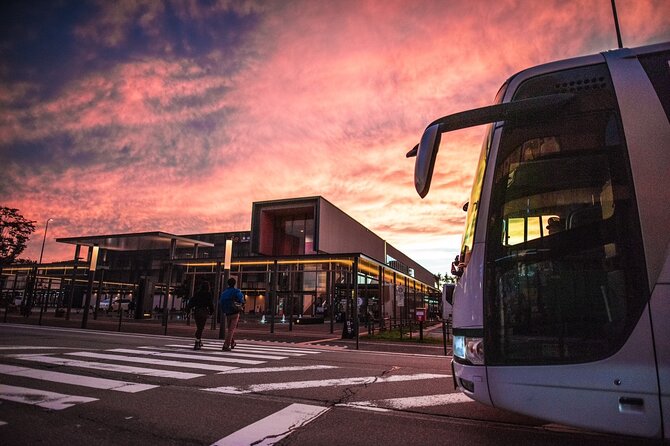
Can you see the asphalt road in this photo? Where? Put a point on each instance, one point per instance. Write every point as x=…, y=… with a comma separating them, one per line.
x=64, y=386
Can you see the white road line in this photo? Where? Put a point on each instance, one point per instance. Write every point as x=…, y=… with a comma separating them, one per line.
x=48, y=400
x=108, y=367
x=276, y=349
x=242, y=355
x=239, y=349
x=162, y=362
x=27, y=347
x=2, y=423
x=273, y=428
x=77, y=380
x=411, y=402
x=205, y=357
x=281, y=369
x=363, y=380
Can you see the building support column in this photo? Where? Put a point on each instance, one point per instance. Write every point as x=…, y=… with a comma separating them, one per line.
x=101, y=279
x=92, y=263
x=395, y=302
x=77, y=250
x=217, y=293
x=330, y=286
x=382, y=287
x=273, y=295
x=355, y=284
x=191, y=290
x=173, y=245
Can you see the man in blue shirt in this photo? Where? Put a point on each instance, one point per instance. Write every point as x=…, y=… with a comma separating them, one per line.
x=231, y=303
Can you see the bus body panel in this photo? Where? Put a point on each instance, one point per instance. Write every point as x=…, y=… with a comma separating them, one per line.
x=569, y=393
x=660, y=310
x=647, y=133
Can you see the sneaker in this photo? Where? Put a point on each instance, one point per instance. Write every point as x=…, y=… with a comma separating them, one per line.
x=225, y=349
x=196, y=346
x=232, y=345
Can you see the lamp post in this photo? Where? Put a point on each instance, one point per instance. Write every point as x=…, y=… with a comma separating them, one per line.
x=44, y=239
x=33, y=292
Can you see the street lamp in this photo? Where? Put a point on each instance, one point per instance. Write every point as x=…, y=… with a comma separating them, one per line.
x=45, y=239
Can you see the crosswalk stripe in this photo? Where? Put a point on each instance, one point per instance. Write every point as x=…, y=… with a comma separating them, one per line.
x=205, y=357
x=42, y=398
x=162, y=362
x=108, y=367
x=276, y=349
x=78, y=380
x=411, y=402
x=273, y=428
x=27, y=347
x=239, y=349
x=281, y=369
x=230, y=353
x=363, y=380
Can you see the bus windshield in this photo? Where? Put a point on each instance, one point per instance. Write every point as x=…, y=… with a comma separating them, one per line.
x=564, y=266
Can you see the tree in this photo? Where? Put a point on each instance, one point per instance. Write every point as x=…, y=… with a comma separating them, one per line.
x=438, y=279
x=15, y=232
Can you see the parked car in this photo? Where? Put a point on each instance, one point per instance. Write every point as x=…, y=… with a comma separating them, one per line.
x=124, y=303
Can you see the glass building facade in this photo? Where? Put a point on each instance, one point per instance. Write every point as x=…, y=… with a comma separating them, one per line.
x=303, y=261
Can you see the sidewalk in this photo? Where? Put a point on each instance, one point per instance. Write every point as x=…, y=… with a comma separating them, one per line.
x=249, y=328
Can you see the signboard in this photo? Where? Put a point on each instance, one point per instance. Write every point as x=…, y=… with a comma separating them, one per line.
x=420, y=314
x=400, y=295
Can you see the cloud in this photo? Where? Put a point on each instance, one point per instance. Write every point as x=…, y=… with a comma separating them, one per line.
x=176, y=116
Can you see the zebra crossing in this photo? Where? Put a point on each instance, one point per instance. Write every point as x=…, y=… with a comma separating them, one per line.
x=177, y=361
x=171, y=358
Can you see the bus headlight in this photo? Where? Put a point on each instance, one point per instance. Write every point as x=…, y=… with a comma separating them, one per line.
x=470, y=349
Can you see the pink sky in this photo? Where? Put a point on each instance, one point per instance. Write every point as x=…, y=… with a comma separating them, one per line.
x=316, y=98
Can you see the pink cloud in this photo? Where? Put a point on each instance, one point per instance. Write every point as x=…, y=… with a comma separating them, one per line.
x=326, y=106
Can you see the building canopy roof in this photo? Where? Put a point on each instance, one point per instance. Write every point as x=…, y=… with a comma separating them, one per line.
x=139, y=241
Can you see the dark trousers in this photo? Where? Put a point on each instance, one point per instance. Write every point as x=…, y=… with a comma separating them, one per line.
x=200, y=316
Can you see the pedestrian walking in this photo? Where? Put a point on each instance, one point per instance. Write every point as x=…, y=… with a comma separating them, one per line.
x=202, y=306
x=231, y=303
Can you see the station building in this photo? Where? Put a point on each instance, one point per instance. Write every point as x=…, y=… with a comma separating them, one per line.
x=303, y=259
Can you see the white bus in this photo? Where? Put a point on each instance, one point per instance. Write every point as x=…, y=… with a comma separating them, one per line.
x=562, y=310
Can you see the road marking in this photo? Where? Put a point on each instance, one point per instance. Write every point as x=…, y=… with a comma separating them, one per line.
x=108, y=367
x=273, y=428
x=2, y=423
x=363, y=380
x=239, y=349
x=281, y=369
x=276, y=349
x=206, y=357
x=230, y=353
x=77, y=380
x=410, y=402
x=42, y=398
x=339, y=338
x=27, y=347
x=162, y=362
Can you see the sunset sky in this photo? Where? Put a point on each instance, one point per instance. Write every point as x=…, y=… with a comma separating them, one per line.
x=140, y=115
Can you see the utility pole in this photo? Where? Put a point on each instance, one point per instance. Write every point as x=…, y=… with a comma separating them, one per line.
x=616, y=25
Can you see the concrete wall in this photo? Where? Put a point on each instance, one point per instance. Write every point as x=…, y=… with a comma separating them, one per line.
x=339, y=233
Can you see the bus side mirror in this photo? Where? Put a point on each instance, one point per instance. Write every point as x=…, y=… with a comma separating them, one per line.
x=425, y=159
